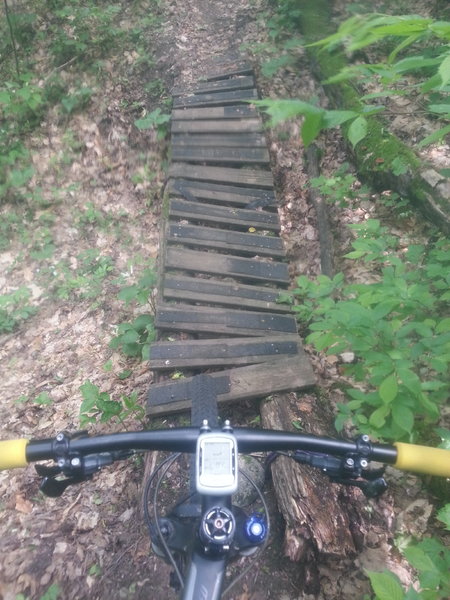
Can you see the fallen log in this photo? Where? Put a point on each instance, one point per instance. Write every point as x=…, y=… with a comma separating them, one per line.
x=426, y=188
x=321, y=519
x=320, y=206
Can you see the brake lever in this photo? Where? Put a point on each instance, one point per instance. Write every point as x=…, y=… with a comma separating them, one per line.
x=73, y=466
x=54, y=488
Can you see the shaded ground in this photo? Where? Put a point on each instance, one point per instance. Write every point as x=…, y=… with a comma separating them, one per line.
x=102, y=182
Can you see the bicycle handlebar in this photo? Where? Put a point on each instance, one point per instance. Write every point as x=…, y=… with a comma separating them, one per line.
x=410, y=457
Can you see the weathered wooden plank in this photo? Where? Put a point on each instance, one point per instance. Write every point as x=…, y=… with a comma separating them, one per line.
x=219, y=98
x=222, y=293
x=236, y=83
x=258, y=156
x=221, y=321
x=223, y=215
x=222, y=239
x=251, y=269
x=218, y=126
x=229, y=194
x=224, y=140
x=244, y=177
x=221, y=352
x=225, y=70
x=257, y=381
x=215, y=112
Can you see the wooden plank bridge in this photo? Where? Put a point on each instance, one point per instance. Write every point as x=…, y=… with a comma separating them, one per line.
x=222, y=263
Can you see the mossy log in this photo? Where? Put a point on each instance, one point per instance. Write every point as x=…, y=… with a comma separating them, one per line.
x=321, y=518
x=426, y=189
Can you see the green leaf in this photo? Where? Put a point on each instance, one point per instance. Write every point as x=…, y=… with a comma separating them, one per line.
x=43, y=399
x=124, y=374
x=283, y=110
x=443, y=325
x=90, y=393
x=311, y=127
x=444, y=515
x=386, y=585
x=378, y=417
x=418, y=559
x=388, y=389
x=444, y=70
x=129, y=337
x=334, y=118
x=403, y=417
x=441, y=109
x=357, y=130
x=436, y=136
x=127, y=294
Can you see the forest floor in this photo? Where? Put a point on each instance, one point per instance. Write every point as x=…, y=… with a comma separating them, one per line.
x=95, y=229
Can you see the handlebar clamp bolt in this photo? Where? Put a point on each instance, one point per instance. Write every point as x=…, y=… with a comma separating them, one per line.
x=364, y=463
x=75, y=462
x=60, y=437
x=61, y=463
x=350, y=462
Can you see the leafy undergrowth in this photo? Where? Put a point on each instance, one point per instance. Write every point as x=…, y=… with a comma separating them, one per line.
x=80, y=199
x=396, y=328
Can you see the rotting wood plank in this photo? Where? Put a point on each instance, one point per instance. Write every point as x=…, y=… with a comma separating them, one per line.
x=220, y=98
x=229, y=194
x=226, y=155
x=223, y=239
x=224, y=140
x=222, y=321
x=215, y=112
x=249, y=125
x=221, y=353
x=222, y=293
x=244, y=383
x=247, y=269
x=236, y=83
x=226, y=70
x=243, y=177
x=223, y=215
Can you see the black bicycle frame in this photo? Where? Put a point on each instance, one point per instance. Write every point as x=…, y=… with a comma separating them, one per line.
x=204, y=577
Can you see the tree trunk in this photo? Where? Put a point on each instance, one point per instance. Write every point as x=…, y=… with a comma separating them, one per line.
x=427, y=189
x=320, y=517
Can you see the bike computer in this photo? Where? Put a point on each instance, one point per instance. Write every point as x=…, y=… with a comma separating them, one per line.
x=216, y=464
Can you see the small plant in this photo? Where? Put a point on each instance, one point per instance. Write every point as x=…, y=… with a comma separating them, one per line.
x=15, y=308
x=339, y=188
x=43, y=399
x=154, y=120
x=142, y=291
x=134, y=339
x=85, y=280
x=431, y=560
x=98, y=406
